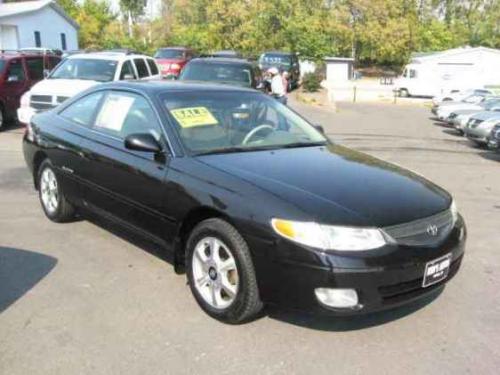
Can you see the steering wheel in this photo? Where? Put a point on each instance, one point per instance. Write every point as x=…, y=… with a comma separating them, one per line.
x=255, y=131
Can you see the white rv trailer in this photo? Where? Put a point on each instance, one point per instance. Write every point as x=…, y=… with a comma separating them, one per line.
x=457, y=69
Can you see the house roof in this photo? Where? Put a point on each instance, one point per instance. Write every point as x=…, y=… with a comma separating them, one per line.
x=417, y=57
x=18, y=8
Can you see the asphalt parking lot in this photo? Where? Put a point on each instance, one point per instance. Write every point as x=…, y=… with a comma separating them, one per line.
x=87, y=298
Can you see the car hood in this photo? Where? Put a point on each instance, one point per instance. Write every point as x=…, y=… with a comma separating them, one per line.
x=61, y=87
x=486, y=115
x=337, y=185
x=466, y=111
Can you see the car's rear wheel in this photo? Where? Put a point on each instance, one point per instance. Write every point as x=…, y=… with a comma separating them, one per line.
x=2, y=118
x=52, y=198
x=220, y=272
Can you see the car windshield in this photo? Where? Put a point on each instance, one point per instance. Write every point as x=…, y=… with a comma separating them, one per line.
x=238, y=74
x=275, y=59
x=223, y=122
x=169, y=54
x=490, y=103
x=86, y=69
x=2, y=65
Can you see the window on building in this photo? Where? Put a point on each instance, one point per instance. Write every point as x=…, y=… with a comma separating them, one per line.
x=63, y=42
x=38, y=39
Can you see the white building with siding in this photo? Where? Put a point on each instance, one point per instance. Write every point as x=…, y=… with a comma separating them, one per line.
x=40, y=23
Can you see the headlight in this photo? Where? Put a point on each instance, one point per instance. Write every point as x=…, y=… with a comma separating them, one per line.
x=454, y=211
x=25, y=99
x=329, y=237
x=175, y=66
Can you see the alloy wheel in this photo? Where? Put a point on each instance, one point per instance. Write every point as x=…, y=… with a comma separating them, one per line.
x=215, y=273
x=49, y=191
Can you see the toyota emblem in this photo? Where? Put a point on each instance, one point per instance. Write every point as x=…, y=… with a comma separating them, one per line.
x=432, y=230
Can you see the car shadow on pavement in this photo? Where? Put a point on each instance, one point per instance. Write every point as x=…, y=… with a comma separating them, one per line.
x=490, y=155
x=453, y=132
x=443, y=124
x=21, y=270
x=352, y=323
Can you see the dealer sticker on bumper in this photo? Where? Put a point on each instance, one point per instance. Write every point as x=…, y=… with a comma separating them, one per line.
x=436, y=270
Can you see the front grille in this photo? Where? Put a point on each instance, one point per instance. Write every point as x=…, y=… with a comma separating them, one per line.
x=409, y=289
x=475, y=123
x=41, y=102
x=416, y=233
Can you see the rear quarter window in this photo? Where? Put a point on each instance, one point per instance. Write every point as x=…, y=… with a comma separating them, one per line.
x=152, y=67
x=35, y=67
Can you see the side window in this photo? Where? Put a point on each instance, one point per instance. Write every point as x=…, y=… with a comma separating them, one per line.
x=127, y=71
x=16, y=71
x=82, y=111
x=413, y=73
x=124, y=113
x=35, y=67
x=142, y=69
x=152, y=67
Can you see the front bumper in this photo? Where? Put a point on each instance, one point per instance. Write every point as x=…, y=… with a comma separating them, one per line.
x=384, y=278
x=24, y=114
x=477, y=135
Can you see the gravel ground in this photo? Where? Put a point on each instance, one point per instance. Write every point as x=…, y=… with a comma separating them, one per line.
x=86, y=298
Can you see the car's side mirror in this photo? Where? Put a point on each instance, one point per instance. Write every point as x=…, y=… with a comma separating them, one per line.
x=46, y=73
x=13, y=79
x=144, y=142
x=319, y=128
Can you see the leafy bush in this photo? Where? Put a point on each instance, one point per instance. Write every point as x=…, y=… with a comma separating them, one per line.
x=311, y=82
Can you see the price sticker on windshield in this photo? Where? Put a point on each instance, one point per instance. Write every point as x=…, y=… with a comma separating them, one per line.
x=195, y=116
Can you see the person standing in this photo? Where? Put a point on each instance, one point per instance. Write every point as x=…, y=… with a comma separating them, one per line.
x=277, y=89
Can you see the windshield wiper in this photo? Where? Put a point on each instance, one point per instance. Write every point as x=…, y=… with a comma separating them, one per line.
x=304, y=144
x=233, y=149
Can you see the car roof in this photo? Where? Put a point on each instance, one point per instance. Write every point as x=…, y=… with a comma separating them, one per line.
x=106, y=55
x=159, y=86
x=180, y=48
x=278, y=53
x=220, y=60
x=8, y=55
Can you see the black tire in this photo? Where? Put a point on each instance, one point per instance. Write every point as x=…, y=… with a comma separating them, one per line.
x=65, y=211
x=3, y=118
x=247, y=303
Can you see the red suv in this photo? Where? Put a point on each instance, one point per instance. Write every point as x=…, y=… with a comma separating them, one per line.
x=18, y=72
x=171, y=60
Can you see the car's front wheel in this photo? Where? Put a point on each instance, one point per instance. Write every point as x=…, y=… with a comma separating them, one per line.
x=220, y=272
x=52, y=198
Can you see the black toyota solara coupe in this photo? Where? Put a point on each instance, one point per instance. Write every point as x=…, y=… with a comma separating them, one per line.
x=253, y=202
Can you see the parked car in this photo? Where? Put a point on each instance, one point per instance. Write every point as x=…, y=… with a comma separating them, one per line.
x=473, y=102
x=458, y=95
x=494, y=138
x=460, y=118
x=81, y=71
x=256, y=204
x=229, y=54
x=171, y=60
x=18, y=72
x=237, y=72
x=480, y=126
x=284, y=61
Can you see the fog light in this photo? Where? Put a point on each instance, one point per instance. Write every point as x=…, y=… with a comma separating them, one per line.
x=338, y=298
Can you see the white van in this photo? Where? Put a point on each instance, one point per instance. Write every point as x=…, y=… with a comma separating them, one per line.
x=79, y=72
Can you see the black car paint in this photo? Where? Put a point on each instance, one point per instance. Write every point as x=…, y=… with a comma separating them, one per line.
x=161, y=196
